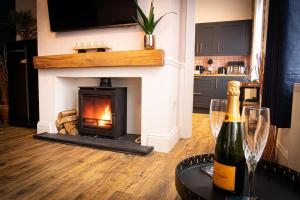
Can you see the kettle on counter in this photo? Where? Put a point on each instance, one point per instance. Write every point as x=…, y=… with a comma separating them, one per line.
x=200, y=68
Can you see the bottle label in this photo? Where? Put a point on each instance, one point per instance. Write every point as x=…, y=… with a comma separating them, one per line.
x=224, y=176
x=232, y=118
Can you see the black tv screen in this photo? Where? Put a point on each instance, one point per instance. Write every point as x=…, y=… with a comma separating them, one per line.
x=66, y=15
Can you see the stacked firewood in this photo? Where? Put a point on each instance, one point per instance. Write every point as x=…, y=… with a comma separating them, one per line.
x=67, y=122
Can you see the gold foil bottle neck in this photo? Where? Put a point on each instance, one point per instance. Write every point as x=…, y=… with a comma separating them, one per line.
x=233, y=88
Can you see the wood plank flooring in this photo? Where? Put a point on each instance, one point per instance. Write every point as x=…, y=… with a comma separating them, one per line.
x=32, y=169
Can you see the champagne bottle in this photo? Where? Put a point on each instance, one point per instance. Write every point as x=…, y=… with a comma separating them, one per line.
x=229, y=162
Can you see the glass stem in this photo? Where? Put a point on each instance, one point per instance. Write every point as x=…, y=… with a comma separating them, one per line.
x=251, y=179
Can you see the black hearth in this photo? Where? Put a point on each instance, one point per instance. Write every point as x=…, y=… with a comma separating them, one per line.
x=103, y=111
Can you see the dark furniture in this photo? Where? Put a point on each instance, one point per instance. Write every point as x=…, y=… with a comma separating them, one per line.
x=7, y=33
x=211, y=87
x=22, y=83
x=272, y=181
x=223, y=38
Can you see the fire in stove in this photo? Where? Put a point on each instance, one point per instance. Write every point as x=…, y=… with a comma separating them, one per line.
x=97, y=112
x=103, y=111
x=106, y=118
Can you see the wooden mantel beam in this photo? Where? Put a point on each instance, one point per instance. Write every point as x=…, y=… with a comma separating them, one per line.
x=102, y=59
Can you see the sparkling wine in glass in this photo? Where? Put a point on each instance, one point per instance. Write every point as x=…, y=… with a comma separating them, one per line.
x=216, y=115
x=256, y=123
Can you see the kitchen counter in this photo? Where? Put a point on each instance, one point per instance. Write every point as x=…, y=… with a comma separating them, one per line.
x=226, y=75
x=212, y=86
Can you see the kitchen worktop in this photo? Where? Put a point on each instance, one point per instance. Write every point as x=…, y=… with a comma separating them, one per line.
x=227, y=75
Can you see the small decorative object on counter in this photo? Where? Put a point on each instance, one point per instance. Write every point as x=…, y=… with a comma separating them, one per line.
x=148, y=25
x=99, y=46
x=209, y=62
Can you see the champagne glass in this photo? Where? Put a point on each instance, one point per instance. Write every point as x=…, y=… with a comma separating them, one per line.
x=256, y=123
x=216, y=115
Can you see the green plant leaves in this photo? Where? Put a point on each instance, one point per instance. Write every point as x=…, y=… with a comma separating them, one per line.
x=142, y=20
x=148, y=24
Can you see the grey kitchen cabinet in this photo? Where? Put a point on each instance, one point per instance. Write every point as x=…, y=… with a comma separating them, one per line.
x=223, y=38
x=211, y=87
x=204, y=46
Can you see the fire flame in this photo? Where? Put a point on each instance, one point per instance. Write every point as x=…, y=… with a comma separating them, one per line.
x=106, y=117
x=97, y=112
x=107, y=114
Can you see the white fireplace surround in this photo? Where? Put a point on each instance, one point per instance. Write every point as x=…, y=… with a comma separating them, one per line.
x=152, y=98
x=159, y=98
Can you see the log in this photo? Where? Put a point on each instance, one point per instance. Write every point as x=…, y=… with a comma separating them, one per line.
x=71, y=128
x=68, y=119
x=58, y=125
x=62, y=131
x=66, y=113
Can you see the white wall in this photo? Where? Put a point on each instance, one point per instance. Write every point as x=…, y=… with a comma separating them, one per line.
x=122, y=38
x=222, y=10
x=288, y=141
x=282, y=145
x=158, y=97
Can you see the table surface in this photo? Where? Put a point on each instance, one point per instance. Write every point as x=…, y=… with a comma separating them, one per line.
x=272, y=181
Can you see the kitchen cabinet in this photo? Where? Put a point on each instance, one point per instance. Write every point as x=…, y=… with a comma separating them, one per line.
x=211, y=87
x=223, y=38
x=203, y=45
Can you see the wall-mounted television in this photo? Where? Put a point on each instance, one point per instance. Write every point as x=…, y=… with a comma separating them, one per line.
x=66, y=15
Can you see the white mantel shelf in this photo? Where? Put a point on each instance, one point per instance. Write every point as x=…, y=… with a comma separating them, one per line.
x=151, y=58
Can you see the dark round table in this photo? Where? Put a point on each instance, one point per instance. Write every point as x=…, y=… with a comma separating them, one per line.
x=272, y=181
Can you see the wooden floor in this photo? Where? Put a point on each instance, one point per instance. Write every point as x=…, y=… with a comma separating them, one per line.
x=34, y=169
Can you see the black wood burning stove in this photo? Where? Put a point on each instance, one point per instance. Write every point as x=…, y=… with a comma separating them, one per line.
x=103, y=111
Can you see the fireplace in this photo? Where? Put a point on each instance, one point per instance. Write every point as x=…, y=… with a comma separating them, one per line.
x=102, y=122
x=103, y=111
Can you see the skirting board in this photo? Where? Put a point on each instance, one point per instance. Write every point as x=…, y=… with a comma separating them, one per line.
x=164, y=144
x=43, y=126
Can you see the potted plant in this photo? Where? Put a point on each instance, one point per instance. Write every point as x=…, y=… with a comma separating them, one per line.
x=148, y=24
x=24, y=23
